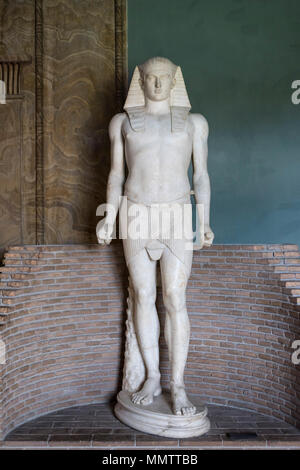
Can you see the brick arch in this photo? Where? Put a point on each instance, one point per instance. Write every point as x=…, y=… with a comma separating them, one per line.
x=62, y=320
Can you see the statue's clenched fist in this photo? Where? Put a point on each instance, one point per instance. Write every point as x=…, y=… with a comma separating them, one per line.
x=208, y=236
x=104, y=232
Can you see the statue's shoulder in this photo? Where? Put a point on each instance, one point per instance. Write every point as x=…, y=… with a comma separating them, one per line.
x=116, y=123
x=199, y=123
x=118, y=119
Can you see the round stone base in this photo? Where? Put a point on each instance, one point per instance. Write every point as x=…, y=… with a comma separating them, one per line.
x=158, y=418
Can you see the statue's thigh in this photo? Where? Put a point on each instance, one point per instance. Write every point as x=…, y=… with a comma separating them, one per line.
x=142, y=271
x=175, y=273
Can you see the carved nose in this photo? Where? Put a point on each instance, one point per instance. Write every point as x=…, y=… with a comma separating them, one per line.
x=157, y=83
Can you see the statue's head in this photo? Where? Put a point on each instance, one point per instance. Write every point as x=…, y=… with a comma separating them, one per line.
x=157, y=78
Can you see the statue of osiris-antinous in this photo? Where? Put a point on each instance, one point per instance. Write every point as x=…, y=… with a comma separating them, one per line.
x=157, y=137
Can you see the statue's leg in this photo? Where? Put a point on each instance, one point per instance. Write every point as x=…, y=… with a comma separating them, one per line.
x=177, y=327
x=168, y=335
x=142, y=271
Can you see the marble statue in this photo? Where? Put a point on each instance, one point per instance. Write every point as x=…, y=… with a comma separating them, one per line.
x=156, y=137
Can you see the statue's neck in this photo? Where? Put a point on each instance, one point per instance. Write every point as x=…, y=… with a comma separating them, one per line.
x=157, y=107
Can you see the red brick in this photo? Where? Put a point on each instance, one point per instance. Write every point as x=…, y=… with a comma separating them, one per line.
x=66, y=316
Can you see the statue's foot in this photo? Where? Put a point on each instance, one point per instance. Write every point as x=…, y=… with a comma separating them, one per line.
x=181, y=403
x=150, y=389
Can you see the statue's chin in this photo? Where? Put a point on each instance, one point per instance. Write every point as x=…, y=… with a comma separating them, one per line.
x=158, y=97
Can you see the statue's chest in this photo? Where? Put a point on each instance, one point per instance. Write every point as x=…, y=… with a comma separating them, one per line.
x=157, y=132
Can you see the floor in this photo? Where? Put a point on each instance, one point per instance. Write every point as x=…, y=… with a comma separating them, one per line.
x=95, y=426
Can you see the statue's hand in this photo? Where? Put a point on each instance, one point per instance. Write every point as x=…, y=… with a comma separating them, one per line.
x=104, y=232
x=208, y=236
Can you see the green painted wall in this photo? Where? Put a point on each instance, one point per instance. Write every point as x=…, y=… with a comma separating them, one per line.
x=239, y=58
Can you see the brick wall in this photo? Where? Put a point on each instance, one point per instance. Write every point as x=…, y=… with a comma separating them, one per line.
x=62, y=317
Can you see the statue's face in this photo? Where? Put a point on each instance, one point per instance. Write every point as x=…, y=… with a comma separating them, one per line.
x=158, y=82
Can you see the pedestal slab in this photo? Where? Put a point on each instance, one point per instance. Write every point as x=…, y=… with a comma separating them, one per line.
x=159, y=419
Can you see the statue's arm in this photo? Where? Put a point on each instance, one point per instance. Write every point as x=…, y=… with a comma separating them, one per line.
x=115, y=182
x=201, y=179
x=116, y=176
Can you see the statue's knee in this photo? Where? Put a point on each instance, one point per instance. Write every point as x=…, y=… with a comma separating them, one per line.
x=144, y=296
x=174, y=299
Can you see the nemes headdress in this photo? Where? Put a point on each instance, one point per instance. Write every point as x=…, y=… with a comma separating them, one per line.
x=179, y=101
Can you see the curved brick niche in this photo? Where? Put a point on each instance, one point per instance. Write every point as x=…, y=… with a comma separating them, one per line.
x=63, y=315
